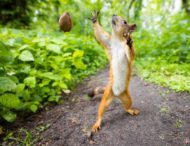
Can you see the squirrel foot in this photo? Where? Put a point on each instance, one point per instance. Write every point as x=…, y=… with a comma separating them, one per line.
x=96, y=126
x=133, y=111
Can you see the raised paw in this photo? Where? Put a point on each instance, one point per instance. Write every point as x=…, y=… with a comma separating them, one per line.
x=96, y=126
x=94, y=16
x=129, y=41
x=133, y=111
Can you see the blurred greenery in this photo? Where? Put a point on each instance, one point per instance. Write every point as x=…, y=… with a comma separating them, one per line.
x=38, y=62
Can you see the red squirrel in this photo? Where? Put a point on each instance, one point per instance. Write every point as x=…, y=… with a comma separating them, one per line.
x=120, y=50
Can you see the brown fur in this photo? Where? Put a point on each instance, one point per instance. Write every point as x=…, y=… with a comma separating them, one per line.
x=122, y=30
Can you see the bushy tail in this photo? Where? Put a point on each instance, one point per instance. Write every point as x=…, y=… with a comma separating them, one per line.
x=96, y=91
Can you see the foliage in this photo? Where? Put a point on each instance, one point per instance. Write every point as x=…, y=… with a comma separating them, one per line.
x=24, y=138
x=15, y=11
x=38, y=13
x=37, y=67
x=165, y=58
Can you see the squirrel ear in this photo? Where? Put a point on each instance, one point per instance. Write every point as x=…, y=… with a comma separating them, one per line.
x=133, y=27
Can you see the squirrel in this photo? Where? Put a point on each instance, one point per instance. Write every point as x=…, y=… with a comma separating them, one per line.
x=120, y=51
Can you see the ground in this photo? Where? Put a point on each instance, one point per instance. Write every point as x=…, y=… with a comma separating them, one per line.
x=164, y=119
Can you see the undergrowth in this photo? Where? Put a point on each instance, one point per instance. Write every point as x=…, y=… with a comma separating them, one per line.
x=164, y=54
x=37, y=67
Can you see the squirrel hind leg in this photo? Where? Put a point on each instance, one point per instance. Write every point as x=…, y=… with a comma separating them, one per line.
x=104, y=104
x=127, y=102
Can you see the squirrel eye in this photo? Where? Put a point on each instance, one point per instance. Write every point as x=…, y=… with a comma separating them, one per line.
x=125, y=22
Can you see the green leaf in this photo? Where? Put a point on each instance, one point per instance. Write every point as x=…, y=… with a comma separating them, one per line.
x=30, y=81
x=9, y=116
x=10, y=101
x=25, y=94
x=44, y=82
x=25, y=69
x=54, y=48
x=66, y=73
x=33, y=108
x=5, y=55
x=62, y=85
x=50, y=75
x=20, y=89
x=6, y=84
x=54, y=98
x=79, y=64
x=78, y=53
x=26, y=56
x=24, y=47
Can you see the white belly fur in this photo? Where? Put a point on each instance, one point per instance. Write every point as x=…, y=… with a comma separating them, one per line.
x=119, y=67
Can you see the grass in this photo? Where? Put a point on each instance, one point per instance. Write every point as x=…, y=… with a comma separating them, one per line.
x=25, y=137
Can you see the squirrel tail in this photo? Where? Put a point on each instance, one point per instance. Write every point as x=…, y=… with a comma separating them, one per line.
x=96, y=91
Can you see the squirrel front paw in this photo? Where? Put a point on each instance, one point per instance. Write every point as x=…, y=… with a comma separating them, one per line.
x=128, y=38
x=129, y=41
x=94, y=16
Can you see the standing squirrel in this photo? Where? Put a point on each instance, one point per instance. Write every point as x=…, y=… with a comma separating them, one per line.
x=119, y=47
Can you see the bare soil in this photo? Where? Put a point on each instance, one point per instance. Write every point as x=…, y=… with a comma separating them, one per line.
x=164, y=119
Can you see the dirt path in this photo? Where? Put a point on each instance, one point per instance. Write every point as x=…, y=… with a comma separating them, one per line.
x=164, y=118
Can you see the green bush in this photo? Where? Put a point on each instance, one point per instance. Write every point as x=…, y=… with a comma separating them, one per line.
x=37, y=67
x=164, y=54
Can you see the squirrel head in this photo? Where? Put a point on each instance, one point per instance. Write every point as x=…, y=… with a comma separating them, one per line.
x=121, y=28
